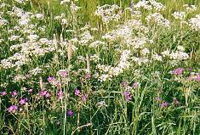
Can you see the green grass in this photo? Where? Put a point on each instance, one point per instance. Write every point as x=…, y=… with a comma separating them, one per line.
x=123, y=91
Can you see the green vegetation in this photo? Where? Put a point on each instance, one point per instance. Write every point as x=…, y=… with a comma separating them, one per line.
x=95, y=67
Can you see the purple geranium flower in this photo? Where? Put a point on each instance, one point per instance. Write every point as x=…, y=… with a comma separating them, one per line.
x=124, y=84
x=178, y=71
x=127, y=95
x=135, y=85
x=63, y=73
x=88, y=76
x=83, y=98
x=77, y=92
x=14, y=93
x=189, y=69
x=51, y=79
x=30, y=90
x=12, y=109
x=48, y=95
x=70, y=113
x=60, y=95
x=23, y=101
x=3, y=93
x=164, y=104
x=43, y=92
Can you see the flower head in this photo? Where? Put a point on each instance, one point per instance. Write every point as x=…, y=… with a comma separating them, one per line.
x=23, y=101
x=127, y=95
x=70, y=113
x=164, y=104
x=48, y=95
x=14, y=93
x=44, y=93
x=51, y=79
x=88, y=76
x=124, y=84
x=135, y=85
x=178, y=71
x=3, y=93
x=63, y=73
x=83, y=98
x=30, y=90
x=77, y=92
x=189, y=69
x=60, y=95
x=12, y=109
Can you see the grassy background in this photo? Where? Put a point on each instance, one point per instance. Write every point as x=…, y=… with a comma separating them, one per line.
x=143, y=114
x=89, y=6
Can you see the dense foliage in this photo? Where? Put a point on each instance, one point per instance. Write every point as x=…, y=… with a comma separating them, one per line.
x=99, y=67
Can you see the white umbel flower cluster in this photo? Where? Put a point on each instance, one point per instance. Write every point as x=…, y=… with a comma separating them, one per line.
x=124, y=34
x=108, y=13
x=190, y=8
x=158, y=19
x=3, y=22
x=115, y=71
x=26, y=51
x=145, y=51
x=195, y=22
x=149, y=5
x=86, y=38
x=157, y=57
x=143, y=4
x=176, y=55
x=140, y=60
x=157, y=5
x=96, y=44
x=179, y=15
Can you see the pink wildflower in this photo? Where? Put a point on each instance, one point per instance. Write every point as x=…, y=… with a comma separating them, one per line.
x=127, y=95
x=51, y=79
x=3, y=93
x=63, y=73
x=48, y=95
x=83, y=98
x=77, y=92
x=178, y=71
x=43, y=92
x=135, y=85
x=23, y=101
x=30, y=90
x=164, y=104
x=60, y=95
x=14, y=93
x=12, y=109
x=88, y=76
x=124, y=84
x=70, y=113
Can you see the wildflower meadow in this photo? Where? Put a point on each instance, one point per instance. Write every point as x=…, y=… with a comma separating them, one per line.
x=99, y=67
